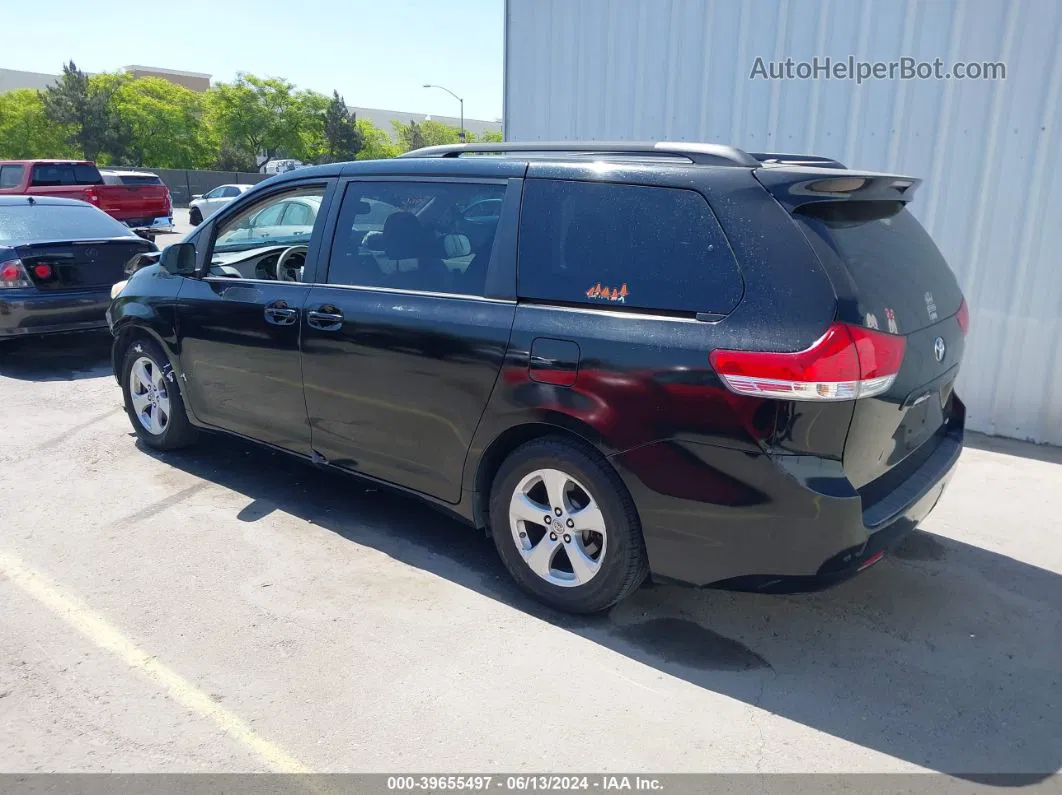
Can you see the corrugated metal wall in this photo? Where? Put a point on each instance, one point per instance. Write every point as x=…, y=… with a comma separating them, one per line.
x=990, y=152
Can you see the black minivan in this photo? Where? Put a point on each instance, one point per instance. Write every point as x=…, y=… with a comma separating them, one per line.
x=719, y=367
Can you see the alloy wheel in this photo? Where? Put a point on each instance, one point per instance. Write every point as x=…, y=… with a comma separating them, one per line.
x=151, y=399
x=558, y=528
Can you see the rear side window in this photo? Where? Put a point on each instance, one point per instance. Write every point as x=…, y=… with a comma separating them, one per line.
x=624, y=245
x=47, y=222
x=52, y=174
x=11, y=176
x=901, y=280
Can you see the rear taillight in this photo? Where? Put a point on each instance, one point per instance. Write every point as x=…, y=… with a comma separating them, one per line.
x=12, y=274
x=92, y=196
x=963, y=316
x=845, y=363
x=42, y=271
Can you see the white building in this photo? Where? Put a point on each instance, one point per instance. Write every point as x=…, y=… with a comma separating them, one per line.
x=988, y=149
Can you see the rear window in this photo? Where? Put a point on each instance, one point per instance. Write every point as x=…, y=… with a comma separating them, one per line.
x=902, y=281
x=43, y=222
x=624, y=245
x=11, y=176
x=52, y=174
x=132, y=179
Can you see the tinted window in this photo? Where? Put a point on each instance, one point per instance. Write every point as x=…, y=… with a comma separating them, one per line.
x=11, y=176
x=610, y=245
x=57, y=222
x=415, y=236
x=139, y=179
x=229, y=192
x=898, y=273
x=51, y=174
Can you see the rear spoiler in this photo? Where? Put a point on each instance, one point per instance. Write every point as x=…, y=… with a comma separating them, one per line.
x=795, y=186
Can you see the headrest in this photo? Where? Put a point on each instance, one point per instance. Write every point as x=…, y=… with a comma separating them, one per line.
x=403, y=236
x=454, y=246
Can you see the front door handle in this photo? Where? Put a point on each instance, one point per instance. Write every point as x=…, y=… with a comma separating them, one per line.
x=325, y=318
x=280, y=314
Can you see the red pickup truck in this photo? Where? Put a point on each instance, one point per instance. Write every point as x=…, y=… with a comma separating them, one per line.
x=145, y=208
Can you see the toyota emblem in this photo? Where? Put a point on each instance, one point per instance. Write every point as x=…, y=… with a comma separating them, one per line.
x=939, y=349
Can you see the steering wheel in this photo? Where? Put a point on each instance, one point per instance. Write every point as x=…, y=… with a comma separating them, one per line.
x=288, y=273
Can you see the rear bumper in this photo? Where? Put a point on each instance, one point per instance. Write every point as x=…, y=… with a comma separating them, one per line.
x=162, y=223
x=728, y=518
x=30, y=312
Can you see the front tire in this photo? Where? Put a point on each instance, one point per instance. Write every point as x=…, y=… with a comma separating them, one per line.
x=195, y=217
x=152, y=398
x=566, y=527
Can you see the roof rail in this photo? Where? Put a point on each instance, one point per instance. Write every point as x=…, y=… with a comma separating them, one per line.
x=778, y=159
x=702, y=154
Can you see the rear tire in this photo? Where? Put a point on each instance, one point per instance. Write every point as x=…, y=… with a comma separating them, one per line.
x=153, y=400
x=195, y=217
x=590, y=554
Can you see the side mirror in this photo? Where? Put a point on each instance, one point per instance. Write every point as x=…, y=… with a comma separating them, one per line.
x=197, y=196
x=140, y=261
x=178, y=259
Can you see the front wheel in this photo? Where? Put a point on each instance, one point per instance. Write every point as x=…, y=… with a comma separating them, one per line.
x=153, y=399
x=195, y=217
x=566, y=527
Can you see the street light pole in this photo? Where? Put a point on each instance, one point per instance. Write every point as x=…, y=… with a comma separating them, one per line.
x=452, y=94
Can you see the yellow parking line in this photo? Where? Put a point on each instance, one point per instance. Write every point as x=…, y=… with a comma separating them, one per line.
x=96, y=629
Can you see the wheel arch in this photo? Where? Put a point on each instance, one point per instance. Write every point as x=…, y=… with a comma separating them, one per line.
x=503, y=445
x=124, y=334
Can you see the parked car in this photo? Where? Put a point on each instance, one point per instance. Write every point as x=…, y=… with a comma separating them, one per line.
x=203, y=205
x=58, y=260
x=143, y=207
x=720, y=368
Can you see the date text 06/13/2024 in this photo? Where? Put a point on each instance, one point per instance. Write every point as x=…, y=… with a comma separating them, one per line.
x=523, y=783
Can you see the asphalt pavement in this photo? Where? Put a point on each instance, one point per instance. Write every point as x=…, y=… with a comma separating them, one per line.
x=228, y=609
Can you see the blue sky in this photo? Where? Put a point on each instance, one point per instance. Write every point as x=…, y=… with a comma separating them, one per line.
x=376, y=53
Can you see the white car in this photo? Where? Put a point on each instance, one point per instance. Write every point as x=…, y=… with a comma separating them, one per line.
x=206, y=204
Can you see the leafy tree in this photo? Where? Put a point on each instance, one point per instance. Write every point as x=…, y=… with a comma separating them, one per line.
x=159, y=125
x=343, y=138
x=410, y=136
x=82, y=106
x=310, y=142
x=492, y=136
x=25, y=130
x=377, y=143
x=231, y=159
x=436, y=133
x=265, y=116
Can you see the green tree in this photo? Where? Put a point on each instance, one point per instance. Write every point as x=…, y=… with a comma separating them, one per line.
x=343, y=138
x=410, y=136
x=231, y=159
x=26, y=131
x=492, y=136
x=159, y=124
x=377, y=143
x=266, y=117
x=82, y=106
